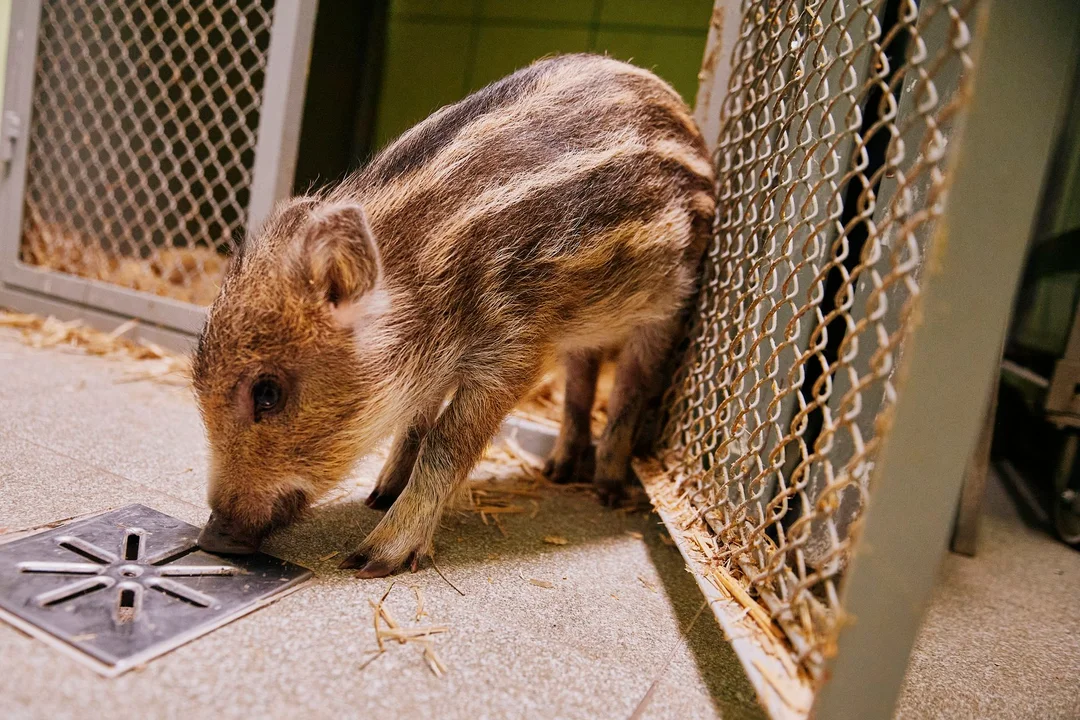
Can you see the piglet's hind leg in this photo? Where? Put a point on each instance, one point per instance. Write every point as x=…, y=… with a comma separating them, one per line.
x=636, y=375
x=572, y=457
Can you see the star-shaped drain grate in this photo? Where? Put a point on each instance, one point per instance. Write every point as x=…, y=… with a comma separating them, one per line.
x=131, y=572
x=128, y=585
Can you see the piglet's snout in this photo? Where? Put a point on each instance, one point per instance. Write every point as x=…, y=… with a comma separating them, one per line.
x=216, y=537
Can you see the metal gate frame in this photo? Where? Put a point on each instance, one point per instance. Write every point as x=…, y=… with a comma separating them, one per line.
x=171, y=322
x=1004, y=151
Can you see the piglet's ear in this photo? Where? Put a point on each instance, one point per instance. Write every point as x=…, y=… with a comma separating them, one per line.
x=341, y=253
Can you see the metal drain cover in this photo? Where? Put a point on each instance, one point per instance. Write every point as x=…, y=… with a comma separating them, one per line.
x=128, y=585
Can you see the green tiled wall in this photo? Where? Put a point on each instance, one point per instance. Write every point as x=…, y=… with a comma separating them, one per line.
x=438, y=51
x=676, y=58
x=574, y=11
x=500, y=50
x=672, y=14
x=423, y=70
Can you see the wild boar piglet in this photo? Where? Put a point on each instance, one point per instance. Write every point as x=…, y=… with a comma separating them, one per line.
x=557, y=214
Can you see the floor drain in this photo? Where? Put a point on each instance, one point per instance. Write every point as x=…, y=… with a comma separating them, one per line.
x=128, y=585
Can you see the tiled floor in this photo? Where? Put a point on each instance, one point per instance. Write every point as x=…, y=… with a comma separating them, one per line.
x=74, y=440
x=1002, y=638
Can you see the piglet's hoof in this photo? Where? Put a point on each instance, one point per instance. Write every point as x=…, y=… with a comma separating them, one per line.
x=612, y=493
x=574, y=468
x=367, y=569
x=380, y=500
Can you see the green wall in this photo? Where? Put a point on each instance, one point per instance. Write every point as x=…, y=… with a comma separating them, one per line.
x=438, y=51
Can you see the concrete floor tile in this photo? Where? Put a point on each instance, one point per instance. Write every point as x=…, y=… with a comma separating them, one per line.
x=1001, y=638
x=75, y=440
x=39, y=486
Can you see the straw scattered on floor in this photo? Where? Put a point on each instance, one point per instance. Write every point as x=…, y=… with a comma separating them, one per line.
x=194, y=274
x=507, y=481
x=420, y=611
x=545, y=402
x=190, y=274
x=696, y=541
x=417, y=634
x=143, y=360
x=154, y=363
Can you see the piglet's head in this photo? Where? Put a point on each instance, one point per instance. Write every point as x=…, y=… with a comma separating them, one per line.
x=278, y=379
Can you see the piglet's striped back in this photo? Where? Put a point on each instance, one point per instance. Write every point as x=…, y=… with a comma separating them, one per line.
x=535, y=164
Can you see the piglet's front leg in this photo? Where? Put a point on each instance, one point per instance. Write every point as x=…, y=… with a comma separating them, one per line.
x=447, y=454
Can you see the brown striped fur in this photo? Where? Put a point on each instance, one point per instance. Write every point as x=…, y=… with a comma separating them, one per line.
x=559, y=212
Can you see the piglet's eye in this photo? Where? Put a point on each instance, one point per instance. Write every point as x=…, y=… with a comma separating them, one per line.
x=267, y=397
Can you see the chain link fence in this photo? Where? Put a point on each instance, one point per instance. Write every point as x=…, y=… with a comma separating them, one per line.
x=832, y=173
x=142, y=139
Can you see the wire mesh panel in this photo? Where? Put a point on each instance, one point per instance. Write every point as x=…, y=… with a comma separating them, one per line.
x=831, y=174
x=142, y=139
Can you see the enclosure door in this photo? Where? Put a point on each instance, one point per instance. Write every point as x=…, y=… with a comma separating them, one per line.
x=141, y=141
